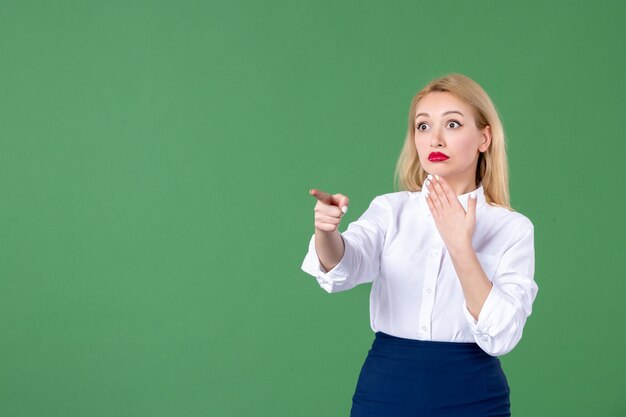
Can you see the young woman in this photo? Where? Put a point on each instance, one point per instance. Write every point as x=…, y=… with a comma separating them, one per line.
x=451, y=264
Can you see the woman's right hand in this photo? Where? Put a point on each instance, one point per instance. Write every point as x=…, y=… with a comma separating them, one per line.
x=329, y=210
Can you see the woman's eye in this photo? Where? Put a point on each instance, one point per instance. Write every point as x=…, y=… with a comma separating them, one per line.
x=421, y=127
x=454, y=124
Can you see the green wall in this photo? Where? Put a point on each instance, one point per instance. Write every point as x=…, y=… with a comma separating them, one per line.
x=155, y=162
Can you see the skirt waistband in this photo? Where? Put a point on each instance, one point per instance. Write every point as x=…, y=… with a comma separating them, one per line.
x=423, y=355
x=389, y=340
x=425, y=348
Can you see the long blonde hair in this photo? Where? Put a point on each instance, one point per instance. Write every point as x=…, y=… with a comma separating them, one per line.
x=492, y=169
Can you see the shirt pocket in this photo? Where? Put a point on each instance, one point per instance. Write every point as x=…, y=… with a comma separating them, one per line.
x=489, y=263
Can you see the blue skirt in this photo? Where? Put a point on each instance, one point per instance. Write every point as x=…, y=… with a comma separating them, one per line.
x=415, y=378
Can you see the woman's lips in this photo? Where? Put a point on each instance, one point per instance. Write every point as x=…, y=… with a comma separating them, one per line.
x=437, y=157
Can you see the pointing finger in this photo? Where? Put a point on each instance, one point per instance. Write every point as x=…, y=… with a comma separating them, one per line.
x=322, y=196
x=338, y=200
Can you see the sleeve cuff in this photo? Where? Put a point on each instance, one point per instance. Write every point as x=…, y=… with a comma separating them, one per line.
x=490, y=315
x=328, y=280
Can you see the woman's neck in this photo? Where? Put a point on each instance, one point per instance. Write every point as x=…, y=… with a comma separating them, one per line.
x=461, y=186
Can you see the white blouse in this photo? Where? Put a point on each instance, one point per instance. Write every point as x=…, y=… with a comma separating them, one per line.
x=416, y=293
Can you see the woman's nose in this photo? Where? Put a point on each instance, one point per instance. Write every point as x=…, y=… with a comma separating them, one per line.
x=436, y=140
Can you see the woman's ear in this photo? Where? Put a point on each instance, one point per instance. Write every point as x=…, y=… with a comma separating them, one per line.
x=486, y=139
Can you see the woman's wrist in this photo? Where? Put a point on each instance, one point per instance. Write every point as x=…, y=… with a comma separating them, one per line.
x=461, y=249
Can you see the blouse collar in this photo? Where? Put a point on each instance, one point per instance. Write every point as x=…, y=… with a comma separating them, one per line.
x=463, y=198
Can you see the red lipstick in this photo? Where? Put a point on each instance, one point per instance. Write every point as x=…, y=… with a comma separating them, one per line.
x=437, y=157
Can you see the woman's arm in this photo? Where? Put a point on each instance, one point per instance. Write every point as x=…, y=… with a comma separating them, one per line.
x=476, y=286
x=329, y=211
x=456, y=227
x=352, y=257
x=500, y=325
x=329, y=247
x=497, y=310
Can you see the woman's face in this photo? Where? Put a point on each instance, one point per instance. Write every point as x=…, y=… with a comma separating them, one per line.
x=447, y=140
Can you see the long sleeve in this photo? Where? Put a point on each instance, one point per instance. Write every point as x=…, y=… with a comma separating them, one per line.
x=363, y=241
x=505, y=311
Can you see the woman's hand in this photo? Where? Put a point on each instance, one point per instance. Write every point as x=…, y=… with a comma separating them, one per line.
x=455, y=225
x=329, y=210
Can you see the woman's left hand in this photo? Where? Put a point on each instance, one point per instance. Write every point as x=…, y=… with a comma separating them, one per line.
x=455, y=225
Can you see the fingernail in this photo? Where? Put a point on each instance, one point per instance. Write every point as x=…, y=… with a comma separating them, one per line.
x=473, y=194
x=344, y=209
x=430, y=177
x=427, y=183
x=437, y=177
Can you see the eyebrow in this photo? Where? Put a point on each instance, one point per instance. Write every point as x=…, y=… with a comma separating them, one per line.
x=448, y=112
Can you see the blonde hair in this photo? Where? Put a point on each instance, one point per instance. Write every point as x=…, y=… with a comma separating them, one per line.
x=492, y=168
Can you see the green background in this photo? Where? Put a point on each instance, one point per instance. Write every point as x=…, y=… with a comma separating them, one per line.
x=155, y=163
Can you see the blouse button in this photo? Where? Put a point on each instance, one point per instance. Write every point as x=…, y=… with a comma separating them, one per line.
x=429, y=291
x=424, y=328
